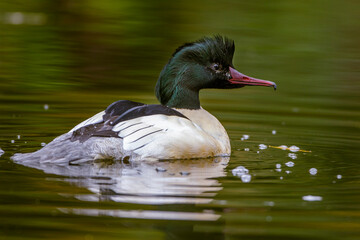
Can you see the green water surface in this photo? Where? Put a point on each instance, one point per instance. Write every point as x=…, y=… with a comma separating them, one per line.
x=63, y=61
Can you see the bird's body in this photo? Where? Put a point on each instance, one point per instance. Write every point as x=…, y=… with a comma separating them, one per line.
x=178, y=128
x=182, y=133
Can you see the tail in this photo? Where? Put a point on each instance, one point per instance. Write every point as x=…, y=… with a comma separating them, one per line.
x=61, y=151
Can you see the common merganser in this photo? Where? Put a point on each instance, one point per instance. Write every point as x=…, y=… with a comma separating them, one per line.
x=179, y=128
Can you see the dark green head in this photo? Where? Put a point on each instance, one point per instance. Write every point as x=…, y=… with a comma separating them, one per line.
x=206, y=63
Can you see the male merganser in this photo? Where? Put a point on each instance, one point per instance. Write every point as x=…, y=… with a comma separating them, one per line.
x=179, y=128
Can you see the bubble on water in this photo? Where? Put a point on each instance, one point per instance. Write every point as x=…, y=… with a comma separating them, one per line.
x=246, y=178
x=278, y=169
x=312, y=198
x=262, y=146
x=1, y=152
x=43, y=144
x=273, y=132
x=222, y=202
x=269, y=203
x=281, y=178
x=288, y=172
x=257, y=151
x=313, y=171
x=246, y=137
x=17, y=18
x=46, y=107
x=239, y=171
x=294, y=148
x=339, y=176
x=12, y=141
x=278, y=165
x=246, y=149
x=283, y=147
x=18, y=136
x=160, y=169
x=292, y=155
x=242, y=139
x=290, y=164
x=242, y=172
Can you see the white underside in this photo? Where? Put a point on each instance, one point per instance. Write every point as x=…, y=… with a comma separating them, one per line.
x=164, y=137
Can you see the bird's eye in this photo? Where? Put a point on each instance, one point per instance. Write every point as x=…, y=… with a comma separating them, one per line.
x=216, y=66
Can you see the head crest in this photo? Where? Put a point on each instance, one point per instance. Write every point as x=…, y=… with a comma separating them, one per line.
x=216, y=49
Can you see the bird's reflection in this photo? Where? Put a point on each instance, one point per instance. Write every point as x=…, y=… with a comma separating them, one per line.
x=154, y=183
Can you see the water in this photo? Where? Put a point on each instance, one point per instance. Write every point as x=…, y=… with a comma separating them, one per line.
x=63, y=61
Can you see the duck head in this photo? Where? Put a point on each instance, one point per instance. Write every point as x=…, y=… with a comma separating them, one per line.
x=206, y=63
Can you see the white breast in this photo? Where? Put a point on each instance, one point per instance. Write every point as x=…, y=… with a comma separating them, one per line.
x=210, y=125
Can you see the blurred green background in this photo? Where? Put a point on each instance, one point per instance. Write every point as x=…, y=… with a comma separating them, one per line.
x=76, y=57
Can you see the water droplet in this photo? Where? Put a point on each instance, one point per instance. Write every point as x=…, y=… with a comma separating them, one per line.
x=294, y=148
x=278, y=165
x=339, y=176
x=290, y=164
x=246, y=137
x=292, y=155
x=281, y=178
x=278, y=169
x=160, y=169
x=258, y=152
x=273, y=132
x=313, y=171
x=283, y=147
x=269, y=203
x=295, y=109
x=245, y=178
x=246, y=149
x=18, y=136
x=262, y=146
x=43, y=144
x=288, y=172
x=12, y=141
x=15, y=18
x=312, y=198
x=240, y=170
x=46, y=107
x=1, y=152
